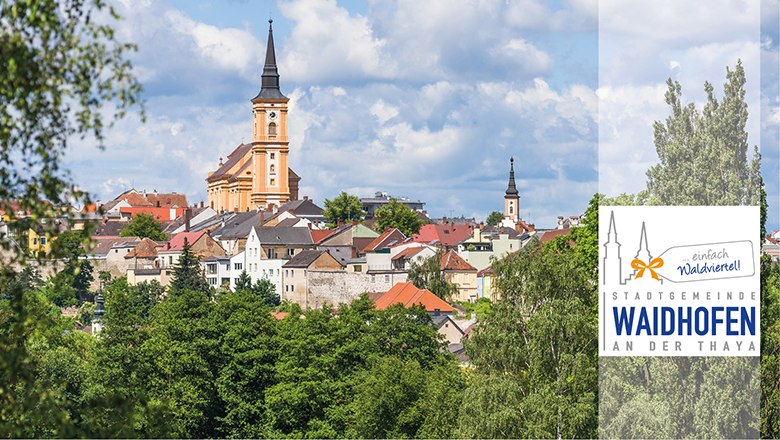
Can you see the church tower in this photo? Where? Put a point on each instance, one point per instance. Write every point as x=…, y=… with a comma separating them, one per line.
x=256, y=175
x=512, y=197
x=270, y=146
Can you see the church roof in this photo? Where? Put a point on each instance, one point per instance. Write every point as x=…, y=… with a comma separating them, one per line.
x=232, y=160
x=511, y=189
x=270, y=77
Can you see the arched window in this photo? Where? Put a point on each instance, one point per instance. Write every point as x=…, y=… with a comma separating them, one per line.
x=272, y=129
x=273, y=169
x=511, y=209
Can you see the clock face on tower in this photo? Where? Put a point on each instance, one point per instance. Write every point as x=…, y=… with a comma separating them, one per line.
x=272, y=116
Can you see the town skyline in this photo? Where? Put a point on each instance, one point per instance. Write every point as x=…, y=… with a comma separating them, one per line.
x=436, y=120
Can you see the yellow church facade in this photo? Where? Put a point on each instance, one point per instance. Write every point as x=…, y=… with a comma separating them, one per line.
x=256, y=175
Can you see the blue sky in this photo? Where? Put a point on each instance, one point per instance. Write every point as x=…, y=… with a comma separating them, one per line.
x=420, y=99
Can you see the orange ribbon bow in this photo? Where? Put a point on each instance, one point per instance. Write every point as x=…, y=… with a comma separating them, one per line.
x=640, y=265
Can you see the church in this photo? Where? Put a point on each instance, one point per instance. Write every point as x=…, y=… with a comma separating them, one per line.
x=256, y=176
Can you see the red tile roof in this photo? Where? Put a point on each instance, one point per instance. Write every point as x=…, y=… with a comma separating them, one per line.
x=486, y=271
x=147, y=248
x=317, y=235
x=550, y=235
x=452, y=261
x=385, y=239
x=408, y=295
x=177, y=241
x=409, y=252
x=448, y=235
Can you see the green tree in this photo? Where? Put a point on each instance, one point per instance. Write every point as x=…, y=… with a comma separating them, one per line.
x=703, y=155
x=62, y=69
x=188, y=274
x=76, y=276
x=247, y=362
x=535, y=355
x=244, y=282
x=144, y=226
x=342, y=209
x=429, y=275
x=184, y=353
x=494, y=218
x=399, y=216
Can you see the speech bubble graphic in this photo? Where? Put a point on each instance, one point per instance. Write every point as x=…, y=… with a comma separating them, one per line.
x=708, y=261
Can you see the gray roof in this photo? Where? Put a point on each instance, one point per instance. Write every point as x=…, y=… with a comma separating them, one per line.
x=104, y=245
x=496, y=230
x=302, y=208
x=304, y=259
x=284, y=236
x=237, y=226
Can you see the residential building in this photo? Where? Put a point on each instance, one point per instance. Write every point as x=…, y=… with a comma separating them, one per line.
x=460, y=273
x=256, y=175
x=295, y=273
x=380, y=199
x=201, y=245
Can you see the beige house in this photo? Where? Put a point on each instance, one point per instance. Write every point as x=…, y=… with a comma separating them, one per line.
x=295, y=274
x=457, y=271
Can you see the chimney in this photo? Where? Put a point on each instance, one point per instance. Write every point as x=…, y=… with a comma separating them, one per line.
x=305, y=198
x=262, y=217
x=187, y=217
x=201, y=203
x=158, y=203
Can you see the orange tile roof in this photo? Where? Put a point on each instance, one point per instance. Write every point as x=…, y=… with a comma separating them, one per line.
x=452, y=261
x=408, y=295
x=279, y=315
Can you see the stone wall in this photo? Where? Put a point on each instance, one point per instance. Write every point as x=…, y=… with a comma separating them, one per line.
x=338, y=286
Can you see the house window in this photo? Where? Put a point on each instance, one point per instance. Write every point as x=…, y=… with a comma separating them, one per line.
x=271, y=254
x=43, y=241
x=272, y=129
x=358, y=268
x=237, y=266
x=170, y=260
x=387, y=278
x=292, y=288
x=290, y=252
x=35, y=241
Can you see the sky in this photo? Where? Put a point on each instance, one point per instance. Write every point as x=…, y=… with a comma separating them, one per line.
x=425, y=99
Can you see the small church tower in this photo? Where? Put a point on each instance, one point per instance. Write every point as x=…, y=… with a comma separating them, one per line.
x=97, y=322
x=512, y=197
x=612, y=263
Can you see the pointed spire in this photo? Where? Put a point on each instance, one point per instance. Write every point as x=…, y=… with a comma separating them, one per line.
x=270, y=77
x=643, y=253
x=612, y=230
x=99, y=308
x=511, y=189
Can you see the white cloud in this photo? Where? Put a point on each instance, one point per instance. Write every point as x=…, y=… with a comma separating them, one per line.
x=327, y=43
x=229, y=48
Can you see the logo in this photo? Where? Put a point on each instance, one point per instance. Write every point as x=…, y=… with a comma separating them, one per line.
x=689, y=287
